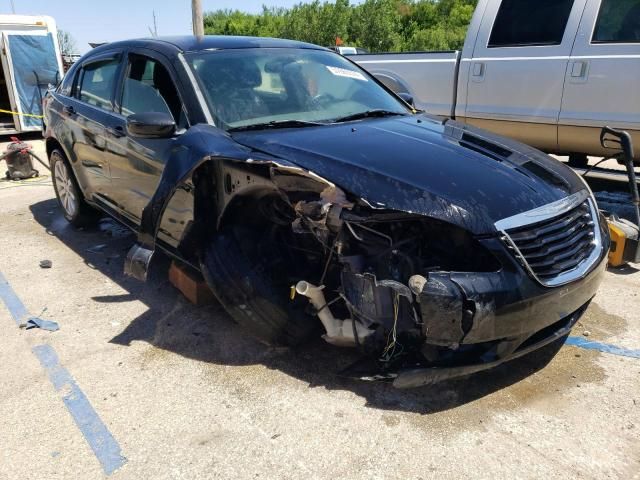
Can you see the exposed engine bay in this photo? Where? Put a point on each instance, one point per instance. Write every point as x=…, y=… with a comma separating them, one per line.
x=370, y=276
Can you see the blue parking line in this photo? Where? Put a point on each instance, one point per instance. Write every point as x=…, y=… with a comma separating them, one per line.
x=95, y=432
x=602, y=347
x=16, y=308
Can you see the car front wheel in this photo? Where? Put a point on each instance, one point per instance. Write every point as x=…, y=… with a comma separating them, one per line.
x=244, y=284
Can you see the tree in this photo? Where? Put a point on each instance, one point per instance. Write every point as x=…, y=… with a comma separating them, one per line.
x=378, y=25
x=67, y=42
x=375, y=25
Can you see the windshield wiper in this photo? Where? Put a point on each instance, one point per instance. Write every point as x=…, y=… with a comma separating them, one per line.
x=368, y=114
x=276, y=124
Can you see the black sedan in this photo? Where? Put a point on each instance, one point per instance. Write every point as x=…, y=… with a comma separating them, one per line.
x=315, y=201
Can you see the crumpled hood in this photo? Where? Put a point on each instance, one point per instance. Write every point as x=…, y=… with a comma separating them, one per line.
x=446, y=170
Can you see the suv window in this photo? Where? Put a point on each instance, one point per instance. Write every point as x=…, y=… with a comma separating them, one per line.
x=96, y=83
x=149, y=88
x=530, y=22
x=618, y=22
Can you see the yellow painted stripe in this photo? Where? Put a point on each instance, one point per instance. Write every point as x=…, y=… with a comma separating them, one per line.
x=23, y=114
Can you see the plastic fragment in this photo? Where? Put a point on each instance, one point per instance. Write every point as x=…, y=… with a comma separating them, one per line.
x=35, y=322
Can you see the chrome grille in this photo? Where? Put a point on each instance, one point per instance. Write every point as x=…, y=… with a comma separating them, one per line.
x=557, y=243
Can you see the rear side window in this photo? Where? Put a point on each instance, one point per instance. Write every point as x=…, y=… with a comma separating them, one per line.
x=618, y=22
x=522, y=23
x=64, y=88
x=97, y=82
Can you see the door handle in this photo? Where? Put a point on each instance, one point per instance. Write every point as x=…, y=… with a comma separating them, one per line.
x=116, y=131
x=478, y=69
x=69, y=110
x=579, y=69
x=90, y=164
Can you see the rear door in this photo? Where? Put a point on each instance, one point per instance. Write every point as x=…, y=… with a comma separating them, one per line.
x=518, y=68
x=602, y=79
x=89, y=111
x=31, y=64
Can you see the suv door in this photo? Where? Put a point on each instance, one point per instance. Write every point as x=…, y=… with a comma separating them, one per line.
x=602, y=79
x=148, y=85
x=87, y=112
x=518, y=68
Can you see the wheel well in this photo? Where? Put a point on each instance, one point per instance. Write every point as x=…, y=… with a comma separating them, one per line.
x=393, y=83
x=251, y=208
x=51, y=144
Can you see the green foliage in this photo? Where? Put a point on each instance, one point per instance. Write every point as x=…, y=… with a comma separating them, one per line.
x=377, y=25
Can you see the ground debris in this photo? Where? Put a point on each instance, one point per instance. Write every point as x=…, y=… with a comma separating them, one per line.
x=35, y=322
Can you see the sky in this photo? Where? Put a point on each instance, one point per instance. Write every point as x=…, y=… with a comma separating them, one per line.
x=100, y=21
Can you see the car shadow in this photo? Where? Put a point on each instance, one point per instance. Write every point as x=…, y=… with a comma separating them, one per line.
x=208, y=334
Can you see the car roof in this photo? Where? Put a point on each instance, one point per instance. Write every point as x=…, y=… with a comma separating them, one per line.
x=191, y=43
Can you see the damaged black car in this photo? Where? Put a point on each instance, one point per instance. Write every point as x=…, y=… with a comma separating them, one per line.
x=314, y=201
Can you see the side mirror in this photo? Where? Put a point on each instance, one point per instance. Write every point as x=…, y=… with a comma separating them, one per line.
x=407, y=97
x=151, y=125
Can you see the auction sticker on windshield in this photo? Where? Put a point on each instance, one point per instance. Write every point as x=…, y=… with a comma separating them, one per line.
x=343, y=72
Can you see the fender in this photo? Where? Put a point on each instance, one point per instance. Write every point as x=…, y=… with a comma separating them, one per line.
x=199, y=145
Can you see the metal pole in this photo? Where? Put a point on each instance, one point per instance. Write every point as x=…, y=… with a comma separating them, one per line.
x=13, y=7
x=196, y=15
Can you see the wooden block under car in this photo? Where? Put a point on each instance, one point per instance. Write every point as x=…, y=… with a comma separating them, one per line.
x=190, y=284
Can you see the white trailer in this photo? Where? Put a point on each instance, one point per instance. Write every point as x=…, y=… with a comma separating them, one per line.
x=31, y=61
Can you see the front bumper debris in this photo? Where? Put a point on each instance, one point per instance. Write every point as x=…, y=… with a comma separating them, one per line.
x=419, y=377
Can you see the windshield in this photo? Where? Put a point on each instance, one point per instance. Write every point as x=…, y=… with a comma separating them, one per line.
x=257, y=86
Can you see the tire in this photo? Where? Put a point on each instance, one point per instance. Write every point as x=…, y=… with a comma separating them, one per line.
x=68, y=193
x=248, y=295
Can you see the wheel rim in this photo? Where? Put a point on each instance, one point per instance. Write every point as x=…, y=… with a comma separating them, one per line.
x=65, y=189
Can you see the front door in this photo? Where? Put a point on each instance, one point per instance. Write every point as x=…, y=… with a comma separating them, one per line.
x=602, y=79
x=137, y=163
x=518, y=68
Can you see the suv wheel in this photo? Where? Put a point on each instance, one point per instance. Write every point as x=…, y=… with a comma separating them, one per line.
x=70, y=198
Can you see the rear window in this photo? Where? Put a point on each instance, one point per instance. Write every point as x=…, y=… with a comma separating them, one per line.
x=64, y=87
x=618, y=22
x=530, y=22
x=97, y=82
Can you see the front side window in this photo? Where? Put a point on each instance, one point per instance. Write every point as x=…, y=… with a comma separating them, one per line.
x=618, y=22
x=256, y=86
x=97, y=82
x=530, y=23
x=148, y=87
